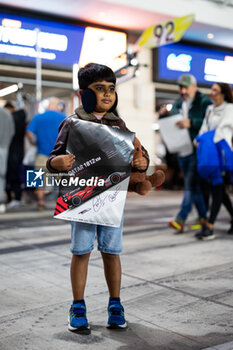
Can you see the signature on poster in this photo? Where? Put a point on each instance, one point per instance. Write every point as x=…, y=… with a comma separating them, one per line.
x=99, y=201
x=112, y=197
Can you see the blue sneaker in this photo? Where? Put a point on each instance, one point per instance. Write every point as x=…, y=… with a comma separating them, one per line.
x=116, y=316
x=77, y=319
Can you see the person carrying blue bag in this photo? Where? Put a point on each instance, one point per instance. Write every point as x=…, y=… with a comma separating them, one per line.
x=208, y=158
x=215, y=155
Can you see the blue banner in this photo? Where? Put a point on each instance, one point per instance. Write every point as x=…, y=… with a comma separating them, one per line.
x=60, y=43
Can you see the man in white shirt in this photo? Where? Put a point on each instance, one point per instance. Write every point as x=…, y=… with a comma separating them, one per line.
x=192, y=105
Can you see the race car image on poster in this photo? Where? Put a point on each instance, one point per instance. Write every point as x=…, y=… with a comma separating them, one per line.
x=114, y=179
x=79, y=196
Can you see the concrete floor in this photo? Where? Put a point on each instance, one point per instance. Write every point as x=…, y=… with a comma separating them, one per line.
x=177, y=291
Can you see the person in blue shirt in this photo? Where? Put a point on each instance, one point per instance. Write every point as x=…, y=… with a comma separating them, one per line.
x=42, y=132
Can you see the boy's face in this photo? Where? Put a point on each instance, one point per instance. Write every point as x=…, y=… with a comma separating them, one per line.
x=105, y=95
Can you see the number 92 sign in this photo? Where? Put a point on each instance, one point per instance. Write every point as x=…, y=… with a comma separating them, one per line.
x=165, y=33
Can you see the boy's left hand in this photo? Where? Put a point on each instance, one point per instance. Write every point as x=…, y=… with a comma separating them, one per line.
x=140, y=163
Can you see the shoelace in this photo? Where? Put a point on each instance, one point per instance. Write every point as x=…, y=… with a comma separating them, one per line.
x=78, y=312
x=115, y=311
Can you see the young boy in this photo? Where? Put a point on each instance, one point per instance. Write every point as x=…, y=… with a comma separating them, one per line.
x=99, y=99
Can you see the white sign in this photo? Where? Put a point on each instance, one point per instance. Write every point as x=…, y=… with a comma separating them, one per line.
x=181, y=62
x=218, y=70
x=27, y=37
x=21, y=42
x=176, y=139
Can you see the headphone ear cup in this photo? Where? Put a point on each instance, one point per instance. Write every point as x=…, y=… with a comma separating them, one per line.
x=88, y=99
x=112, y=109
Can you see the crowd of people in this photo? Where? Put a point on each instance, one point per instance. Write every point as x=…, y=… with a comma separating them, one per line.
x=207, y=119
x=41, y=132
x=209, y=122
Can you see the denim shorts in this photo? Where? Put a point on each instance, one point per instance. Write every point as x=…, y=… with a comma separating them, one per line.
x=109, y=239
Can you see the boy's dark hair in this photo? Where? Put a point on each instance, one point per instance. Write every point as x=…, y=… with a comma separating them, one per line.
x=94, y=72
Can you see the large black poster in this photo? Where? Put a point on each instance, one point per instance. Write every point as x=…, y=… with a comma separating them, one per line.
x=94, y=190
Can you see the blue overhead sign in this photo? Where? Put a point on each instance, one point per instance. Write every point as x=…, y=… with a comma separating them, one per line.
x=60, y=43
x=207, y=65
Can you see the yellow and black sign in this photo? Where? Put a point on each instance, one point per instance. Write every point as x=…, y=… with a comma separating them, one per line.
x=165, y=33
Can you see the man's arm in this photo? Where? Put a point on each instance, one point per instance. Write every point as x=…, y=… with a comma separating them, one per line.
x=31, y=137
x=184, y=123
x=163, y=112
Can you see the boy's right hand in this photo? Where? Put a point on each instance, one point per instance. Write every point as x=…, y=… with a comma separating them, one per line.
x=63, y=162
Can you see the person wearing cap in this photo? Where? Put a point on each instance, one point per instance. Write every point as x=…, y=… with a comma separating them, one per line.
x=192, y=105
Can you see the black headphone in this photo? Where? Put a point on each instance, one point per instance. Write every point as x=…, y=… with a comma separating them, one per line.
x=89, y=101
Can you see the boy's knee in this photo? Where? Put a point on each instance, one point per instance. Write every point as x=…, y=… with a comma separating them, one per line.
x=108, y=256
x=81, y=256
